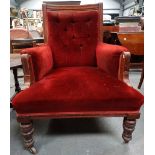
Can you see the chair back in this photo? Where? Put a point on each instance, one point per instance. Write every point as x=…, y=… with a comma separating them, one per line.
x=73, y=31
x=35, y=33
x=17, y=33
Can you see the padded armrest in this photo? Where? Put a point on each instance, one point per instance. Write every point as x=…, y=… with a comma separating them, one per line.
x=42, y=60
x=108, y=57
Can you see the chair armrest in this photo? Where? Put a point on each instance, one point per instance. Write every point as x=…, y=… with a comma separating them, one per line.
x=112, y=59
x=37, y=62
x=124, y=64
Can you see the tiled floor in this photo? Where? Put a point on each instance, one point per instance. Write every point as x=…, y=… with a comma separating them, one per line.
x=97, y=136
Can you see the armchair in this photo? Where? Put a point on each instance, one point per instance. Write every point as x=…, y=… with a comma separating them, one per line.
x=74, y=74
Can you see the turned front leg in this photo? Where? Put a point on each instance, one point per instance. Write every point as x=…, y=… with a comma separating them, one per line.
x=27, y=133
x=128, y=128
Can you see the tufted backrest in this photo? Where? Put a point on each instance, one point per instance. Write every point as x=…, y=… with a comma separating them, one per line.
x=72, y=32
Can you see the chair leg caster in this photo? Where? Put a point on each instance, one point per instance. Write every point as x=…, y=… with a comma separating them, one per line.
x=32, y=150
x=128, y=128
x=27, y=133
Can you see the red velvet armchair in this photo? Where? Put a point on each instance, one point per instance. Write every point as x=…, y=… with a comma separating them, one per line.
x=74, y=74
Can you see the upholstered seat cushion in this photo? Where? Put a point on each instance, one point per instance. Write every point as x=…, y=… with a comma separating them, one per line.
x=77, y=89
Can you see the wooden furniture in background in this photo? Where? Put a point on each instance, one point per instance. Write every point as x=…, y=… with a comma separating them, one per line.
x=110, y=28
x=134, y=41
x=15, y=64
x=141, y=78
x=18, y=44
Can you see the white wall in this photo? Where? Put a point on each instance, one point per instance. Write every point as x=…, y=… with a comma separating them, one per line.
x=113, y=6
x=107, y=4
x=32, y=4
x=36, y=4
x=13, y=3
x=90, y=1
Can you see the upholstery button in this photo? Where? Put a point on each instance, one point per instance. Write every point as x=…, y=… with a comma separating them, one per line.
x=56, y=21
x=72, y=21
x=88, y=20
x=65, y=29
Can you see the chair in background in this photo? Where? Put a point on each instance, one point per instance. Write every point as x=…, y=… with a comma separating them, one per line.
x=141, y=78
x=19, y=39
x=20, y=34
x=74, y=74
x=35, y=34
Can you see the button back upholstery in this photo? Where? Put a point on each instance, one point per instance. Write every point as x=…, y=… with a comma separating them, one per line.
x=73, y=36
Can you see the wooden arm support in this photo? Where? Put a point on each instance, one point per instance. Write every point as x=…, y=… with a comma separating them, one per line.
x=123, y=71
x=29, y=77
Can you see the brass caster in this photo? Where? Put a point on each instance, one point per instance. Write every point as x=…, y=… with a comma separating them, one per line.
x=126, y=139
x=32, y=150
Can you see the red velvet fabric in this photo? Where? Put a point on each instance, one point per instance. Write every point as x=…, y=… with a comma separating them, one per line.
x=108, y=56
x=41, y=59
x=72, y=36
x=77, y=89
